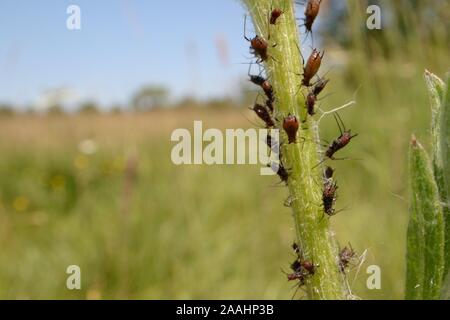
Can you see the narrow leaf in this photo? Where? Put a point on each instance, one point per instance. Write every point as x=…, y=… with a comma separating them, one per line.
x=443, y=171
x=436, y=91
x=425, y=238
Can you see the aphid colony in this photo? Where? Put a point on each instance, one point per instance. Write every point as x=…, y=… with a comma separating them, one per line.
x=302, y=269
x=290, y=123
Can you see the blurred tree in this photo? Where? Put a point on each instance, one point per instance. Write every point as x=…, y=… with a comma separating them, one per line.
x=89, y=107
x=407, y=21
x=116, y=109
x=221, y=103
x=55, y=109
x=6, y=109
x=188, y=102
x=150, y=97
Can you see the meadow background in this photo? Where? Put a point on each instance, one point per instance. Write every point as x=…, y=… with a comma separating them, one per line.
x=94, y=185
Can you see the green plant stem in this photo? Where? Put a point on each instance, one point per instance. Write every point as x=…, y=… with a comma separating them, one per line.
x=301, y=159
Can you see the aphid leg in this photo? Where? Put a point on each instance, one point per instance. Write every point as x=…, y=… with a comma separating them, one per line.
x=296, y=290
x=320, y=163
x=245, y=29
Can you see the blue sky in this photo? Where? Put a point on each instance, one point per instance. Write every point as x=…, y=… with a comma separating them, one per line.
x=123, y=45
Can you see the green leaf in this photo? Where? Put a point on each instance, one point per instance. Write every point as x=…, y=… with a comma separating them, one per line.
x=445, y=292
x=443, y=163
x=436, y=90
x=425, y=238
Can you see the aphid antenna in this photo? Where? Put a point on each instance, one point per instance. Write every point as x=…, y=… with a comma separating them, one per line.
x=298, y=286
x=339, y=122
x=326, y=73
x=301, y=54
x=307, y=34
x=319, y=164
x=250, y=65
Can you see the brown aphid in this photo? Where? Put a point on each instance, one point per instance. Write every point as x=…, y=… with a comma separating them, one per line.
x=311, y=11
x=319, y=86
x=309, y=267
x=329, y=197
x=311, y=100
x=346, y=255
x=300, y=265
x=274, y=15
x=312, y=66
x=258, y=46
x=262, y=113
x=264, y=84
x=296, y=276
x=339, y=143
x=291, y=125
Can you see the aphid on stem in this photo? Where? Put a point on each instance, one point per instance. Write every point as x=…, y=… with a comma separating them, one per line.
x=290, y=126
x=311, y=11
x=319, y=86
x=262, y=113
x=274, y=15
x=343, y=140
x=346, y=255
x=296, y=276
x=266, y=86
x=280, y=170
x=329, y=197
x=312, y=66
x=311, y=100
x=258, y=46
x=309, y=267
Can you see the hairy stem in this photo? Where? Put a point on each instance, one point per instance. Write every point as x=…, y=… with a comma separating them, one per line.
x=301, y=159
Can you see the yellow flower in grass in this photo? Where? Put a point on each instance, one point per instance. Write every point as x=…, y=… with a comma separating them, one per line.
x=81, y=162
x=21, y=203
x=57, y=182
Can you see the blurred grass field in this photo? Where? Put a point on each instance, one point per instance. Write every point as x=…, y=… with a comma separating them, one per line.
x=140, y=227
x=186, y=231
